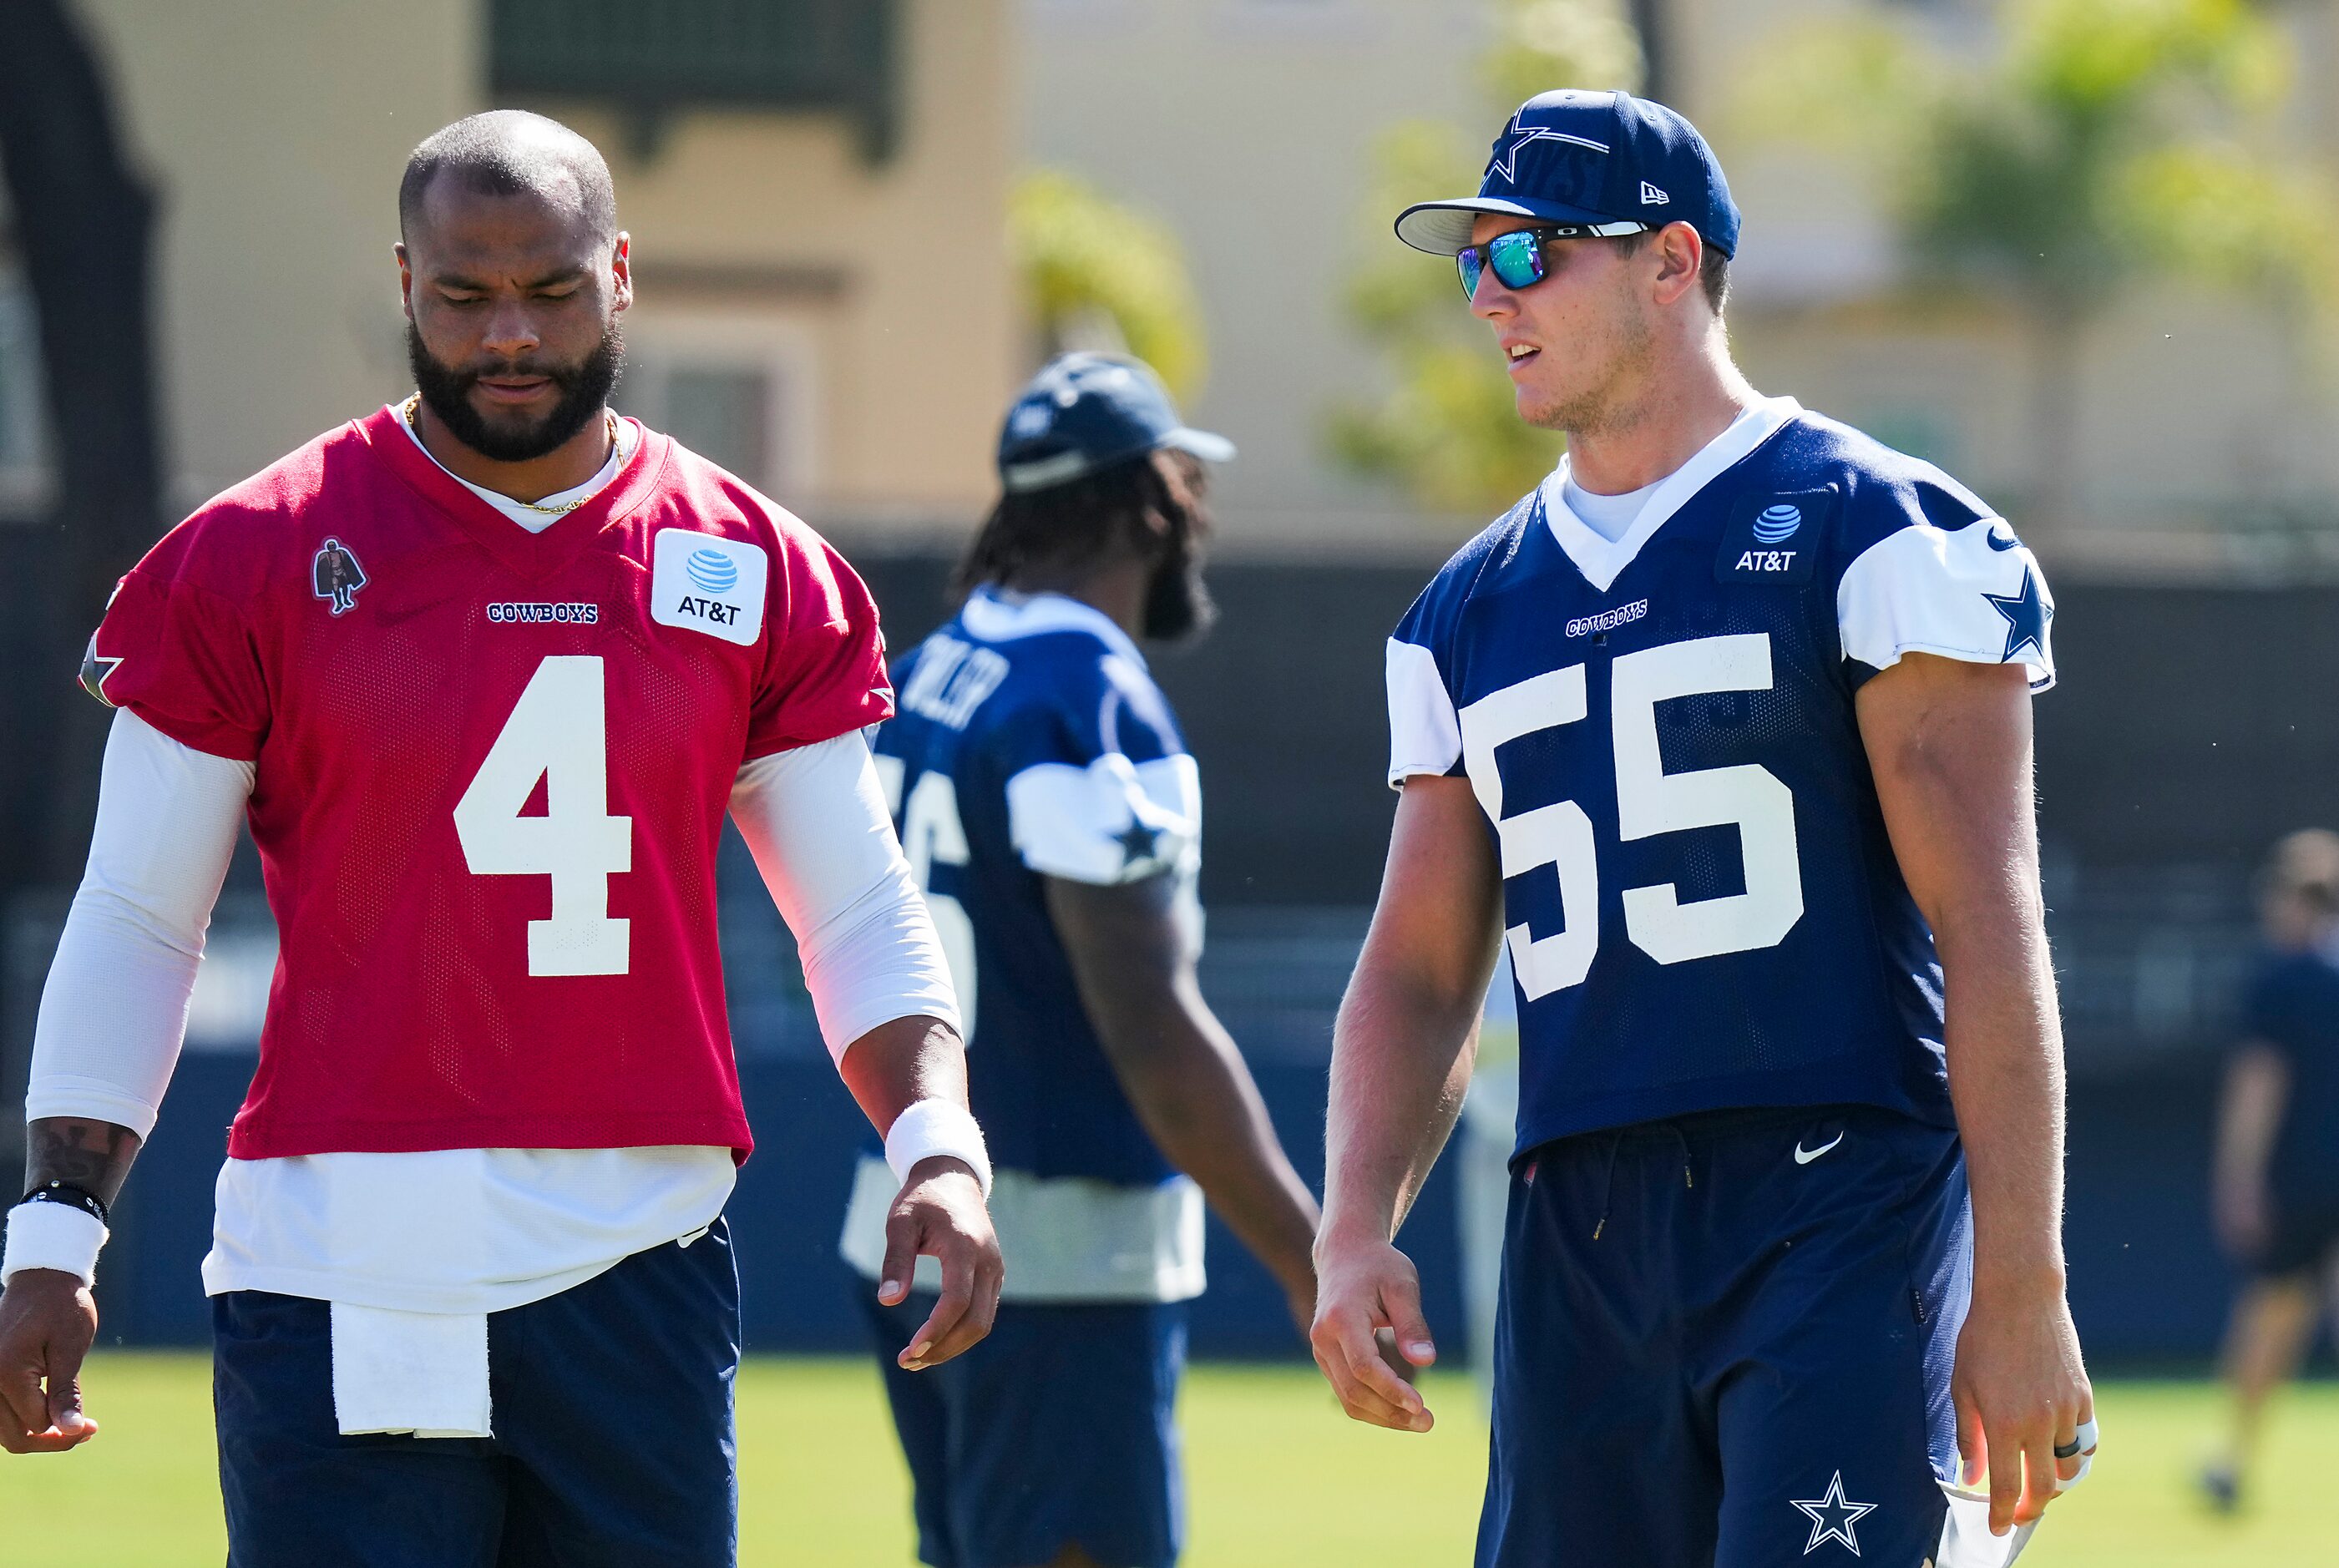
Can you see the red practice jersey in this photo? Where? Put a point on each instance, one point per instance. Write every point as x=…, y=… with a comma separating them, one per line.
x=492, y=771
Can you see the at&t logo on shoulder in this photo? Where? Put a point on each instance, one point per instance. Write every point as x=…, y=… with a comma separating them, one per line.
x=705, y=583
x=711, y=569
x=1775, y=538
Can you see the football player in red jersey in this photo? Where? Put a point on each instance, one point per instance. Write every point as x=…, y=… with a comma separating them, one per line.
x=483, y=671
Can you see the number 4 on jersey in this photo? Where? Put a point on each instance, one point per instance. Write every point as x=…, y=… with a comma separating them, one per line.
x=557, y=732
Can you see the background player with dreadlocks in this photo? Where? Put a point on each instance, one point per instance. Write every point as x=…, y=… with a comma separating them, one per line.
x=1051, y=812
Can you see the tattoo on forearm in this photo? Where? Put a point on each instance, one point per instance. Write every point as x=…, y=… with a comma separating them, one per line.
x=92, y=1155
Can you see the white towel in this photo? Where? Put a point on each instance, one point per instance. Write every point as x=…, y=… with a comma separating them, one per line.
x=421, y=1372
x=1966, y=1540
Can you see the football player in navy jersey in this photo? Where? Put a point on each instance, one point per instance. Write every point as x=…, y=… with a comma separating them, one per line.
x=2274, y=1179
x=1052, y=815
x=1724, y=732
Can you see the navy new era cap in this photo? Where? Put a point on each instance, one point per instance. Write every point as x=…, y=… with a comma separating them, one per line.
x=1589, y=158
x=1083, y=412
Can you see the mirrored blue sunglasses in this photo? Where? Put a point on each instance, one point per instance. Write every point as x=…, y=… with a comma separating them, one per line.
x=1517, y=258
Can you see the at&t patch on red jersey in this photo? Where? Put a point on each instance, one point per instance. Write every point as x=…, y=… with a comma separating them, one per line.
x=708, y=584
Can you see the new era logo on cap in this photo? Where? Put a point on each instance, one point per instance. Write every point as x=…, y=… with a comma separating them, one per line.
x=1653, y=197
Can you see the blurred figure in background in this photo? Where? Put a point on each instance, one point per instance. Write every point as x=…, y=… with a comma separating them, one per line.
x=1052, y=815
x=2275, y=1180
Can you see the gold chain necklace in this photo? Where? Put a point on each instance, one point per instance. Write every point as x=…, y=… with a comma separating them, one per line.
x=412, y=406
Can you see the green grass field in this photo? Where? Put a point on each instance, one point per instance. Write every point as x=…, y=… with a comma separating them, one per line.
x=1278, y=1477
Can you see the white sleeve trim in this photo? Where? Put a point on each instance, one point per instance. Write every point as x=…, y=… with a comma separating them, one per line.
x=1425, y=734
x=1957, y=593
x=113, y=1012
x=1113, y=821
x=814, y=819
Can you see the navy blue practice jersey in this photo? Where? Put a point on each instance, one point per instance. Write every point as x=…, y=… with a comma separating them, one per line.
x=1032, y=742
x=2293, y=1010
x=1703, y=910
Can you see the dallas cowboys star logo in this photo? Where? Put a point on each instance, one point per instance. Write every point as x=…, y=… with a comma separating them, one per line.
x=1832, y=1518
x=2026, y=614
x=1506, y=157
x=95, y=669
x=1136, y=844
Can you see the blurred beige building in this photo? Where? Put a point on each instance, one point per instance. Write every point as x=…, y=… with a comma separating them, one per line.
x=815, y=190
x=817, y=200
x=2204, y=443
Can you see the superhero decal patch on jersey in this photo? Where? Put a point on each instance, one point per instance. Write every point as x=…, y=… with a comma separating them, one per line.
x=705, y=583
x=336, y=575
x=1774, y=538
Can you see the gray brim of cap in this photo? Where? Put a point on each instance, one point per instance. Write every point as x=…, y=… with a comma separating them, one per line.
x=1065, y=467
x=1209, y=448
x=1443, y=227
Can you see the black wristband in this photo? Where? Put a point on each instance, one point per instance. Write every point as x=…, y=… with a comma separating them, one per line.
x=72, y=1197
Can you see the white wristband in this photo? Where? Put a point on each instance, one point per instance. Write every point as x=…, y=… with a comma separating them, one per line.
x=936, y=1127
x=52, y=1236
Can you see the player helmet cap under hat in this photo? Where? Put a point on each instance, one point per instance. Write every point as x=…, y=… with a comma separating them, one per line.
x=1589, y=158
x=1085, y=411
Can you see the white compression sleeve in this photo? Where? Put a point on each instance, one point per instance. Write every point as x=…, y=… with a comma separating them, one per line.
x=815, y=818
x=114, y=1010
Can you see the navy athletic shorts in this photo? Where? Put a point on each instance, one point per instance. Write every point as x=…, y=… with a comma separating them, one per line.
x=1058, y=1429
x=1726, y=1340
x=613, y=1443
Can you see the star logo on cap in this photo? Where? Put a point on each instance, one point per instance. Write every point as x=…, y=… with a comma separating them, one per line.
x=1832, y=1518
x=1507, y=156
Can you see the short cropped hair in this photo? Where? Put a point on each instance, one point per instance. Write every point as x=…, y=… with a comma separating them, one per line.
x=512, y=153
x=1712, y=269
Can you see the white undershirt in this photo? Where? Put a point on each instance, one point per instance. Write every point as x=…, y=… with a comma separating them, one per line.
x=445, y=1230
x=544, y=510
x=1608, y=516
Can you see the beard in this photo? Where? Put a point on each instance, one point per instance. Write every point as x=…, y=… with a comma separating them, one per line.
x=584, y=388
x=1178, y=604
x=1604, y=374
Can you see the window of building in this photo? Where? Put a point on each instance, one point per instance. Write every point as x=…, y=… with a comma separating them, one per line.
x=651, y=58
x=737, y=389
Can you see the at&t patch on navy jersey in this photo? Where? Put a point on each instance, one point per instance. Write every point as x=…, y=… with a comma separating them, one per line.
x=1774, y=538
x=1702, y=907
